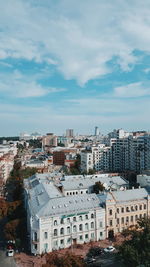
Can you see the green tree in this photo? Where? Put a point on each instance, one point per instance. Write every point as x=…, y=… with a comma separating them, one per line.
x=97, y=187
x=136, y=250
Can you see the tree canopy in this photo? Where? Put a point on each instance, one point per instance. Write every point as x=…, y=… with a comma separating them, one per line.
x=97, y=187
x=135, y=251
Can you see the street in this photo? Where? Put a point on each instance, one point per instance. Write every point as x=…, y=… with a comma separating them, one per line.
x=6, y=261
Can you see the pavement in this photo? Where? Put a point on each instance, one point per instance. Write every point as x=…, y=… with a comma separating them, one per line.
x=6, y=261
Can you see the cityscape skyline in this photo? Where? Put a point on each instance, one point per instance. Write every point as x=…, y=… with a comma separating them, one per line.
x=72, y=64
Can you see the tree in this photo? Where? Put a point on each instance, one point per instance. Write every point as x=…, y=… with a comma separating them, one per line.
x=136, y=250
x=98, y=186
x=67, y=260
x=91, y=171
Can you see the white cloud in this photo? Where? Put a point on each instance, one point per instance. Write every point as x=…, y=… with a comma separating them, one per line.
x=20, y=85
x=79, y=37
x=132, y=90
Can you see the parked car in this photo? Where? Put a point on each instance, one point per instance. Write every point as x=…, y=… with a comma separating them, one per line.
x=90, y=260
x=109, y=249
x=10, y=244
x=10, y=252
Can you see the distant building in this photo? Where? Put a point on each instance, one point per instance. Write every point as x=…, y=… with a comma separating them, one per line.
x=96, y=132
x=50, y=140
x=69, y=133
x=86, y=160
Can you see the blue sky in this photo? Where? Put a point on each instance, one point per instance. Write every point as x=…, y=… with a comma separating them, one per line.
x=74, y=64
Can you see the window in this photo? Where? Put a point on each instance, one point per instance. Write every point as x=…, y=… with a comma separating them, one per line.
x=35, y=246
x=122, y=210
x=86, y=236
x=136, y=207
x=92, y=235
x=136, y=217
x=69, y=240
x=140, y=216
x=81, y=237
x=131, y=218
x=122, y=220
x=132, y=208
x=81, y=192
x=68, y=220
x=86, y=226
x=61, y=241
x=55, y=232
x=45, y=235
x=140, y=207
x=55, y=222
x=92, y=224
x=127, y=219
x=92, y=216
x=62, y=231
x=68, y=230
x=101, y=224
x=67, y=193
x=55, y=243
x=110, y=223
x=86, y=217
x=35, y=236
x=45, y=247
x=80, y=218
x=117, y=210
x=117, y=220
x=80, y=227
x=101, y=234
x=144, y=206
x=74, y=219
x=127, y=209
x=74, y=228
x=144, y=215
x=110, y=212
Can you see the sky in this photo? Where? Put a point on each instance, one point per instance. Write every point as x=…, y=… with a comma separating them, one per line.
x=74, y=64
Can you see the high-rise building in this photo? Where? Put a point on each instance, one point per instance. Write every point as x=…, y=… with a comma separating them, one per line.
x=69, y=133
x=96, y=133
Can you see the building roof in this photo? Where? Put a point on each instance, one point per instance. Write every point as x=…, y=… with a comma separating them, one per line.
x=67, y=205
x=85, y=182
x=129, y=195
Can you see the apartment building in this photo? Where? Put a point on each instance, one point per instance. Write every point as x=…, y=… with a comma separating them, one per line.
x=126, y=151
x=86, y=160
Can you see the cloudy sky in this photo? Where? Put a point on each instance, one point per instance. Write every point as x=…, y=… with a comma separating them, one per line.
x=74, y=64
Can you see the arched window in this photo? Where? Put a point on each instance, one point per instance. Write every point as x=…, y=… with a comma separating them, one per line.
x=35, y=236
x=68, y=230
x=92, y=224
x=62, y=231
x=55, y=222
x=80, y=227
x=74, y=228
x=55, y=232
x=92, y=215
x=68, y=220
x=86, y=226
x=80, y=218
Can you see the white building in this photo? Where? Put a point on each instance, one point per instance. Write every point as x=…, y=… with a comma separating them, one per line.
x=55, y=221
x=86, y=160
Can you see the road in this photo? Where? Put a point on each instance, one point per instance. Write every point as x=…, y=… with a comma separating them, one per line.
x=107, y=260
x=6, y=261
